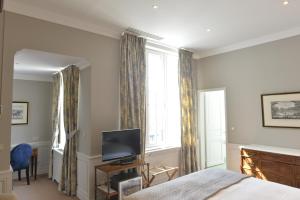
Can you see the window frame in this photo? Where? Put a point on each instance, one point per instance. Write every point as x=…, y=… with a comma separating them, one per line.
x=163, y=53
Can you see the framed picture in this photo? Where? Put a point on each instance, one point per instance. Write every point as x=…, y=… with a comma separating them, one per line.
x=19, y=113
x=281, y=110
x=129, y=187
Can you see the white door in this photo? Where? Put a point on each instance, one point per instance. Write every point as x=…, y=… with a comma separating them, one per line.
x=213, y=124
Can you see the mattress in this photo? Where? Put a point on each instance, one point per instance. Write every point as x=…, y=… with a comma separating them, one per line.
x=256, y=189
x=246, y=189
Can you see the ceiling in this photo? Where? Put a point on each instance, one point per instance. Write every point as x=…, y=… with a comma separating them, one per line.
x=182, y=23
x=39, y=65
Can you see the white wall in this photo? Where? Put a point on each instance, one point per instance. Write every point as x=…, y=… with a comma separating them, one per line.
x=37, y=132
x=247, y=73
x=84, y=112
x=38, y=94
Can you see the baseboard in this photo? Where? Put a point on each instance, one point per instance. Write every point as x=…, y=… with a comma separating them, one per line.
x=82, y=195
x=6, y=181
x=85, y=175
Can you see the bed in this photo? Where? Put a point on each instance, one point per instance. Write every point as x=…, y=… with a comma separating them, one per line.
x=217, y=184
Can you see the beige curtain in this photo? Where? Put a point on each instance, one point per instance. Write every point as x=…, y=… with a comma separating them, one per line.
x=68, y=181
x=132, y=85
x=55, y=117
x=189, y=138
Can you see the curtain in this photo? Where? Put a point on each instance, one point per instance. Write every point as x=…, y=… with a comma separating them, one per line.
x=54, y=117
x=189, y=138
x=68, y=181
x=132, y=85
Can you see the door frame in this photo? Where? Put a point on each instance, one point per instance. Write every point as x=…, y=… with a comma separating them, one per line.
x=200, y=129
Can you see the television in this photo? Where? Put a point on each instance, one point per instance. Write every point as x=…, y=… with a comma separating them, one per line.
x=121, y=145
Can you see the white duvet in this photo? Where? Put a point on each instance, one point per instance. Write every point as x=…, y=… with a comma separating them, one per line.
x=256, y=189
x=247, y=189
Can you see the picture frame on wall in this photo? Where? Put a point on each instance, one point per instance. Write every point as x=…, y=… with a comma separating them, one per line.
x=129, y=187
x=281, y=110
x=19, y=113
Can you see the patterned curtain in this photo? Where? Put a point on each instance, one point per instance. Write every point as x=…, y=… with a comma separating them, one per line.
x=132, y=85
x=68, y=181
x=189, y=138
x=55, y=117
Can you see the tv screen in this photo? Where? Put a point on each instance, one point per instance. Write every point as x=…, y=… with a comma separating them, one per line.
x=120, y=144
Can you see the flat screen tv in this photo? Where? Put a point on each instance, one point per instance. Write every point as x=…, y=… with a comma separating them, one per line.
x=121, y=144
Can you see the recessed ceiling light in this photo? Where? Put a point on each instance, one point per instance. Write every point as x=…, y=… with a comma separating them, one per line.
x=285, y=3
x=208, y=30
x=155, y=6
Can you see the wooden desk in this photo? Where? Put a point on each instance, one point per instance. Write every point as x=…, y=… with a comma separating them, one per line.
x=34, y=160
x=109, y=169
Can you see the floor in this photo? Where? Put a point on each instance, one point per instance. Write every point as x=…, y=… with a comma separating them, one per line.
x=41, y=189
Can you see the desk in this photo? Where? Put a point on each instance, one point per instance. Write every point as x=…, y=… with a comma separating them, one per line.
x=34, y=159
x=109, y=169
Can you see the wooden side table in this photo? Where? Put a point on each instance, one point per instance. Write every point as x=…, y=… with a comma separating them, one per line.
x=34, y=160
x=110, y=169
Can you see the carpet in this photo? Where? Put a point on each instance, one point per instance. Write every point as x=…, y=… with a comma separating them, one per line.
x=40, y=189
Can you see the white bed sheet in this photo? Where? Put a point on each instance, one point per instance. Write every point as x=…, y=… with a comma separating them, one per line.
x=256, y=189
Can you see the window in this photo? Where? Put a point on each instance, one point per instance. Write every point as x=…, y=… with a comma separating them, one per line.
x=162, y=96
x=60, y=140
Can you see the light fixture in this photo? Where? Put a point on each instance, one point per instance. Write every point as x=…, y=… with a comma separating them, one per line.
x=285, y=3
x=208, y=30
x=155, y=4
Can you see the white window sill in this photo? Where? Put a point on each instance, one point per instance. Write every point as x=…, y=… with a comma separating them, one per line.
x=158, y=149
x=59, y=150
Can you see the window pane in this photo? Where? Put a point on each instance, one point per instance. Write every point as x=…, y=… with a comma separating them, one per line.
x=163, y=108
x=172, y=101
x=155, y=93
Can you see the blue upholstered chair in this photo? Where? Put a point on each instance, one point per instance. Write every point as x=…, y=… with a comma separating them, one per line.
x=19, y=159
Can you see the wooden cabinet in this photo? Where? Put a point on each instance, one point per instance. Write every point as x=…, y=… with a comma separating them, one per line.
x=273, y=164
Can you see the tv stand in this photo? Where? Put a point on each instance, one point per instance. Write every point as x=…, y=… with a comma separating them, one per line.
x=110, y=169
x=125, y=161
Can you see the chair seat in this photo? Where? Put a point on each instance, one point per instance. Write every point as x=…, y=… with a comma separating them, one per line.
x=19, y=159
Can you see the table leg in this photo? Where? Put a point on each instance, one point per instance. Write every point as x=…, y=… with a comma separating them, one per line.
x=148, y=174
x=32, y=160
x=172, y=175
x=96, y=184
x=108, y=187
x=35, y=167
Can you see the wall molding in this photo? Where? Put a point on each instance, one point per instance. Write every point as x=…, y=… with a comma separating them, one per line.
x=75, y=22
x=114, y=31
x=249, y=43
x=6, y=181
x=32, y=77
